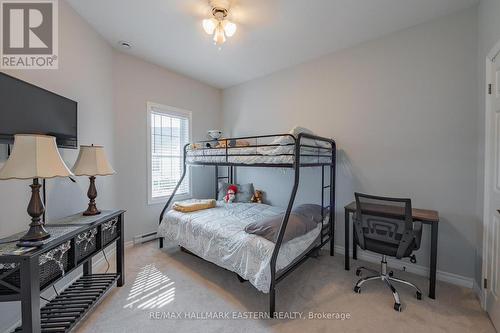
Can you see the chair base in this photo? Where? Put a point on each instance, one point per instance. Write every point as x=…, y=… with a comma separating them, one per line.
x=387, y=278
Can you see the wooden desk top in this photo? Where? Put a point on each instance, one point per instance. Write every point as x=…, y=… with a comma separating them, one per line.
x=423, y=215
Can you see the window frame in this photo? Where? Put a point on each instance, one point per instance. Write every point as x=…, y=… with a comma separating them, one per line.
x=168, y=111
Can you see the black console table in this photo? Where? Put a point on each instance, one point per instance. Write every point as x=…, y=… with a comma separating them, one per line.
x=74, y=241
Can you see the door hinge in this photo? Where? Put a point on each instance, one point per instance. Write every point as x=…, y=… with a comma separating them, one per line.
x=485, y=284
x=489, y=88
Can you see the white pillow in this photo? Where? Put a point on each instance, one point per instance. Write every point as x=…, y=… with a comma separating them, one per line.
x=297, y=130
x=288, y=141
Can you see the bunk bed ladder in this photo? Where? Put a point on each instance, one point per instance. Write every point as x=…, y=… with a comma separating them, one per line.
x=323, y=187
x=327, y=230
x=331, y=216
x=229, y=177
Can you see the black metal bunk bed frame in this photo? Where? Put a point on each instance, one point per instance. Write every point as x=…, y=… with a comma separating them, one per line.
x=327, y=231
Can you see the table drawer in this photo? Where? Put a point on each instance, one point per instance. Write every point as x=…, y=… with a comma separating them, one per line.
x=86, y=243
x=53, y=265
x=109, y=231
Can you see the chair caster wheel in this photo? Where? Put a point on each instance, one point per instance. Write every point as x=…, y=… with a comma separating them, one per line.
x=419, y=295
x=397, y=307
x=358, y=272
x=357, y=289
x=391, y=273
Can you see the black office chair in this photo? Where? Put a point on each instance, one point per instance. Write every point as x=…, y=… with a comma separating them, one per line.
x=391, y=232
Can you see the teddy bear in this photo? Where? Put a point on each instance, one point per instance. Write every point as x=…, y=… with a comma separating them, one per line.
x=230, y=194
x=257, y=196
x=223, y=143
x=231, y=143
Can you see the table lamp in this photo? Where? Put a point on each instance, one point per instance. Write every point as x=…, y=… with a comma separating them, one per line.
x=92, y=162
x=33, y=157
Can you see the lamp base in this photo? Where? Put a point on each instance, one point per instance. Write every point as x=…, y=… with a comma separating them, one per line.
x=36, y=232
x=92, y=194
x=91, y=211
x=29, y=244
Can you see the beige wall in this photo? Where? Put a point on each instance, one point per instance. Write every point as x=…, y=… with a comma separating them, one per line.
x=135, y=83
x=402, y=110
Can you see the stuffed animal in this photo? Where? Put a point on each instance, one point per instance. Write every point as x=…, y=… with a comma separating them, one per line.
x=231, y=143
x=223, y=143
x=257, y=196
x=230, y=194
x=242, y=143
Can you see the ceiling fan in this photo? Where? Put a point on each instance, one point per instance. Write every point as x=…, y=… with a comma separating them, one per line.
x=218, y=25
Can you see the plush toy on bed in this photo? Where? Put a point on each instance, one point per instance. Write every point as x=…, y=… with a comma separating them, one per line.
x=231, y=143
x=257, y=196
x=223, y=143
x=230, y=194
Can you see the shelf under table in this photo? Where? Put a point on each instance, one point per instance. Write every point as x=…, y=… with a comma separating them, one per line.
x=64, y=311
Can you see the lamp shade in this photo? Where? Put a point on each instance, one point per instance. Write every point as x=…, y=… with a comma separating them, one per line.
x=92, y=161
x=34, y=156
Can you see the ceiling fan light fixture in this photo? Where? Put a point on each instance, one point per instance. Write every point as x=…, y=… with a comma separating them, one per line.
x=209, y=25
x=229, y=28
x=219, y=26
x=219, y=37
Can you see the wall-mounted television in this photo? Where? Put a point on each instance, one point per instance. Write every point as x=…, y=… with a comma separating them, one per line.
x=28, y=109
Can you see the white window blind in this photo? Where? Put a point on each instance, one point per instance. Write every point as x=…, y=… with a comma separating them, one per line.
x=169, y=133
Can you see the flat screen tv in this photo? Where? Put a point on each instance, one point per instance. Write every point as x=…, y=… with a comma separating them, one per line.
x=28, y=109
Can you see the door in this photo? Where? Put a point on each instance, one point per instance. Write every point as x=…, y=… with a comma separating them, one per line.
x=491, y=236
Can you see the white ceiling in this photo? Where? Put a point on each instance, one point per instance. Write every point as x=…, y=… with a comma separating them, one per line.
x=272, y=34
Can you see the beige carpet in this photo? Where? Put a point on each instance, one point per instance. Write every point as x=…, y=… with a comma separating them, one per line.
x=163, y=284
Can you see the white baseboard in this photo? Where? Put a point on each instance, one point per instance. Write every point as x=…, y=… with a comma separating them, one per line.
x=110, y=251
x=413, y=268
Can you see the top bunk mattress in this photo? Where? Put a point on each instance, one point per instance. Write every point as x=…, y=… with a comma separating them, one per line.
x=217, y=235
x=258, y=155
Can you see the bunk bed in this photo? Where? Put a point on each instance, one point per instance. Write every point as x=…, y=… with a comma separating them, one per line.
x=271, y=151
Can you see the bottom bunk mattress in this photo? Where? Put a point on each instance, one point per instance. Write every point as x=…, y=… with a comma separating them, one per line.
x=218, y=235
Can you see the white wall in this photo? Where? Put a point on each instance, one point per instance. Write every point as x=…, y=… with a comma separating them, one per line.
x=84, y=75
x=135, y=83
x=489, y=36
x=402, y=110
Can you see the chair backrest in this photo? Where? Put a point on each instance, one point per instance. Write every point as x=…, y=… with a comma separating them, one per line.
x=385, y=220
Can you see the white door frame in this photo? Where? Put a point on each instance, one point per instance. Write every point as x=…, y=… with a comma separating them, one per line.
x=494, y=53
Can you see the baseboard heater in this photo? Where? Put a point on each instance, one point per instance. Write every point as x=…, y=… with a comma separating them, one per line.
x=140, y=239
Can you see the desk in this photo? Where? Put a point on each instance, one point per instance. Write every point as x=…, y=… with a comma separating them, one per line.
x=430, y=217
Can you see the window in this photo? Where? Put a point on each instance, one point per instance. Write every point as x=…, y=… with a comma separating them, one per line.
x=168, y=131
